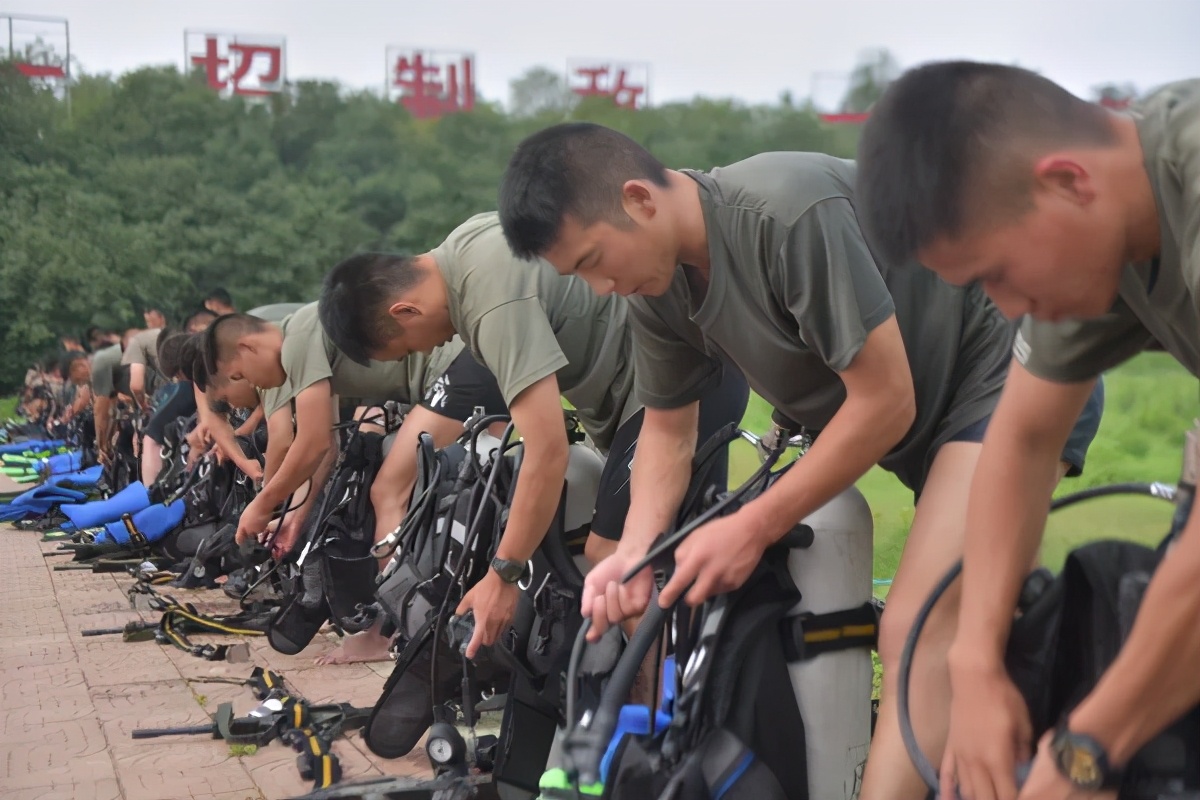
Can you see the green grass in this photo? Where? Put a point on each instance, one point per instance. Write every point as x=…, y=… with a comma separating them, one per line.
x=1149, y=403
x=8, y=407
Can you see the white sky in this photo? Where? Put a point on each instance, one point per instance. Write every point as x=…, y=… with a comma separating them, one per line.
x=749, y=49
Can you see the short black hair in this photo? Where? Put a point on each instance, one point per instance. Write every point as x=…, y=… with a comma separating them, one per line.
x=191, y=363
x=95, y=332
x=576, y=168
x=950, y=137
x=171, y=351
x=355, y=299
x=200, y=313
x=221, y=296
x=222, y=336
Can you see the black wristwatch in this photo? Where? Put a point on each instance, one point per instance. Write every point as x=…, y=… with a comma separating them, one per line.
x=510, y=571
x=1082, y=760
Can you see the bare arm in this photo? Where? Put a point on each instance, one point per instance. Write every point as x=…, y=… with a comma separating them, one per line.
x=319, y=476
x=83, y=396
x=393, y=484
x=537, y=413
x=248, y=427
x=224, y=437
x=879, y=409
x=1009, y=500
x=103, y=416
x=1006, y=514
x=314, y=440
x=279, y=441
x=137, y=384
x=660, y=475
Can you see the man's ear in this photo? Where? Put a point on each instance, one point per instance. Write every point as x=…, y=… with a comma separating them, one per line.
x=1064, y=177
x=638, y=200
x=403, y=308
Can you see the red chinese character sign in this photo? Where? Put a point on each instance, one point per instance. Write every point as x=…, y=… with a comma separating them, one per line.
x=626, y=84
x=430, y=84
x=1116, y=96
x=39, y=47
x=251, y=66
x=832, y=98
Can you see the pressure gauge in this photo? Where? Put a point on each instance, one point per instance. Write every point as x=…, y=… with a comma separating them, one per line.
x=445, y=745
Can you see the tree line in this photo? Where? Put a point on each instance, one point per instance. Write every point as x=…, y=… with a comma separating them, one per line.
x=150, y=189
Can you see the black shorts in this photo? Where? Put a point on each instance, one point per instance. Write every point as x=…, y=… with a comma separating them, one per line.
x=724, y=403
x=180, y=403
x=1075, y=452
x=464, y=386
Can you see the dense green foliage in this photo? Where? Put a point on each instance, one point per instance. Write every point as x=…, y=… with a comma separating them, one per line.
x=150, y=188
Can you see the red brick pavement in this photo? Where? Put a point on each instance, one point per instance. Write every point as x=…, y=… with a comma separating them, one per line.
x=69, y=703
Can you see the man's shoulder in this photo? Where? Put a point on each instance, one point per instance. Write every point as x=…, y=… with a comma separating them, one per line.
x=110, y=356
x=482, y=273
x=782, y=185
x=148, y=339
x=471, y=243
x=304, y=339
x=302, y=322
x=1169, y=120
x=1170, y=96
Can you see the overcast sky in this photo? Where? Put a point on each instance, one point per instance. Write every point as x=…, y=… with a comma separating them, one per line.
x=749, y=49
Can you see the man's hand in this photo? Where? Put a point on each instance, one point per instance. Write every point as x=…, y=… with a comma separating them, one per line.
x=250, y=467
x=104, y=456
x=1047, y=783
x=716, y=558
x=989, y=733
x=198, y=441
x=285, y=535
x=494, y=603
x=607, y=601
x=254, y=520
x=225, y=452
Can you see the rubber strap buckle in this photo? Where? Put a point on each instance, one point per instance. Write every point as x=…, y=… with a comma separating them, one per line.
x=135, y=536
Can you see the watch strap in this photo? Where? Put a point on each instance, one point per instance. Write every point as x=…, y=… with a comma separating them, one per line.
x=509, y=571
x=1081, y=743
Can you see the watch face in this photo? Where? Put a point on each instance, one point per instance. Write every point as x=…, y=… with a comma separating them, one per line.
x=509, y=571
x=1081, y=767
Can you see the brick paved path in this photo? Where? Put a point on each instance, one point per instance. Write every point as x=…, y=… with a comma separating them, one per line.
x=69, y=703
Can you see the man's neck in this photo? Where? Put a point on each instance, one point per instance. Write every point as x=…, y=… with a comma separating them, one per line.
x=432, y=292
x=689, y=222
x=1139, y=206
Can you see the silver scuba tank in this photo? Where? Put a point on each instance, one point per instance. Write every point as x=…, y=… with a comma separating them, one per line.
x=833, y=690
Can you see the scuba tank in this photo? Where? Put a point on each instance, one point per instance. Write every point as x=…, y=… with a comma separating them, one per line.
x=832, y=690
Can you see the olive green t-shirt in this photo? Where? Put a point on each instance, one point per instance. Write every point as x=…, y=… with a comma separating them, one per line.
x=794, y=291
x=308, y=356
x=524, y=322
x=104, y=363
x=1157, y=300
x=143, y=349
